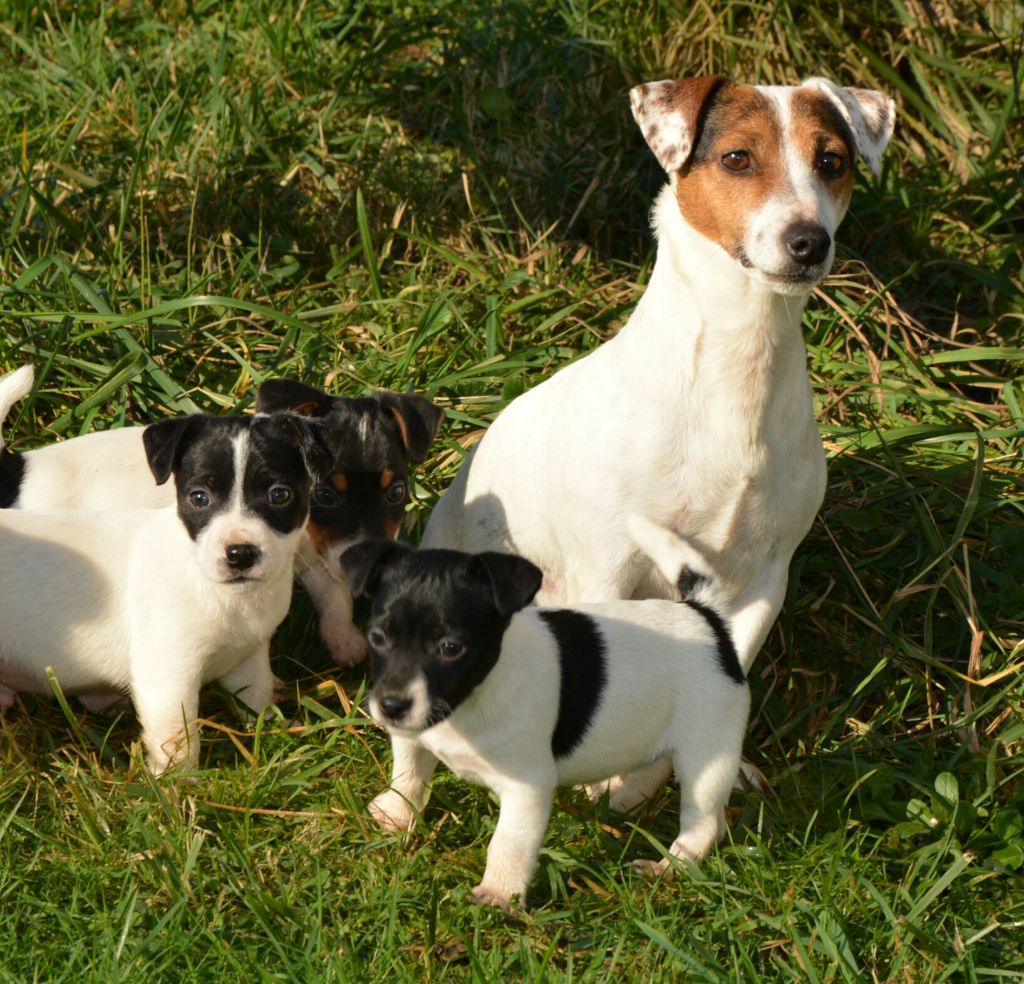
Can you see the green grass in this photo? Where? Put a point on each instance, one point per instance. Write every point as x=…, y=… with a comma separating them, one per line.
x=196, y=196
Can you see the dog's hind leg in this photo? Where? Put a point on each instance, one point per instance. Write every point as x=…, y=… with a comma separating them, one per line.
x=632, y=789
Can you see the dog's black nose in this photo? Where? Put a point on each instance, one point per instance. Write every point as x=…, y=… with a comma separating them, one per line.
x=807, y=243
x=394, y=707
x=241, y=556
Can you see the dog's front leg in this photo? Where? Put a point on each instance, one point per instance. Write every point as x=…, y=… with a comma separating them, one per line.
x=167, y=706
x=411, y=769
x=515, y=846
x=252, y=681
x=333, y=602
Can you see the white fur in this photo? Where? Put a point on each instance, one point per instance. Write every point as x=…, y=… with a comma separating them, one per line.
x=665, y=694
x=698, y=415
x=125, y=601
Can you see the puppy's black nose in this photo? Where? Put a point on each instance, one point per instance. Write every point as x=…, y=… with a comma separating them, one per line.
x=241, y=556
x=394, y=707
x=807, y=243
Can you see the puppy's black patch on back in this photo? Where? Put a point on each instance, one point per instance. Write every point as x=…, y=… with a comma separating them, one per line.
x=727, y=658
x=581, y=657
x=12, y=473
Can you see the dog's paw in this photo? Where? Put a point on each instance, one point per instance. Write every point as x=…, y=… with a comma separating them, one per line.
x=392, y=812
x=652, y=870
x=485, y=895
x=344, y=641
x=751, y=779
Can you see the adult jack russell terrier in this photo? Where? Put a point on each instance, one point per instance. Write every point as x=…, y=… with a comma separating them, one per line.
x=698, y=415
x=525, y=700
x=362, y=494
x=157, y=602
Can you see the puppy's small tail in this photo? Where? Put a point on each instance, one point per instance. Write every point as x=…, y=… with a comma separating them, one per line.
x=13, y=387
x=676, y=559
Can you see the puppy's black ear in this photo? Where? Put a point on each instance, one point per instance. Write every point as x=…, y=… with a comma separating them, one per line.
x=514, y=580
x=163, y=444
x=417, y=418
x=364, y=562
x=309, y=438
x=286, y=394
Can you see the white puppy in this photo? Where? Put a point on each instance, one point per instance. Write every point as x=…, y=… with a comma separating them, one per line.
x=157, y=602
x=525, y=700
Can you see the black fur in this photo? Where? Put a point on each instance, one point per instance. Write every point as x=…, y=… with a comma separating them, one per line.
x=364, y=491
x=584, y=675
x=423, y=601
x=727, y=658
x=12, y=473
x=199, y=451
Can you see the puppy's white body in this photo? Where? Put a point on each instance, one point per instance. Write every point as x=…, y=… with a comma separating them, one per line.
x=699, y=414
x=671, y=687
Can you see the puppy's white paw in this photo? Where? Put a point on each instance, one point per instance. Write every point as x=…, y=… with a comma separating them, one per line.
x=392, y=811
x=652, y=870
x=343, y=640
x=7, y=697
x=485, y=895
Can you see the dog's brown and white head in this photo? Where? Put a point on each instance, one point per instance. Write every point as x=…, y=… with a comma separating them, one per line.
x=764, y=172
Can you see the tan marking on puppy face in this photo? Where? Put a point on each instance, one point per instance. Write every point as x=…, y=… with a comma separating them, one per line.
x=741, y=126
x=319, y=537
x=393, y=529
x=340, y=481
x=386, y=478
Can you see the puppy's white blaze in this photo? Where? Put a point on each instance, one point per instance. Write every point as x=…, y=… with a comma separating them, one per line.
x=241, y=457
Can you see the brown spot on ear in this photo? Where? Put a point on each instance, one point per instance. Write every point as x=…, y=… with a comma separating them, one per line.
x=403, y=427
x=340, y=481
x=307, y=409
x=386, y=478
x=718, y=202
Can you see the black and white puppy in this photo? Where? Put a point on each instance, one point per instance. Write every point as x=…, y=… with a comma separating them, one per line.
x=363, y=492
x=362, y=496
x=526, y=699
x=157, y=602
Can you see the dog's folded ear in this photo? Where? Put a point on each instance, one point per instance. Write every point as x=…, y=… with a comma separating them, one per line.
x=870, y=115
x=364, y=562
x=514, y=580
x=417, y=418
x=668, y=114
x=286, y=394
x=308, y=437
x=162, y=442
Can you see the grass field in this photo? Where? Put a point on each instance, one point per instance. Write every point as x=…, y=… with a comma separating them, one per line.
x=197, y=195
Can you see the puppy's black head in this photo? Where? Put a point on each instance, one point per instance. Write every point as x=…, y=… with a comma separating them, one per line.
x=372, y=439
x=243, y=486
x=436, y=623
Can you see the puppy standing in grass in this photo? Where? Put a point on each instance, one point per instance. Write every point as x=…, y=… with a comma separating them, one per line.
x=363, y=492
x=698, y=415
x=157, y=602
x=525, y=700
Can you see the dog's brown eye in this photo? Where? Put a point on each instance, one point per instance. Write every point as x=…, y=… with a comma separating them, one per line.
x=199, y=498
x=831, y=164
x=324, y=495
x=395, y=493
x=451, y=649
x=736, y=160
x=279, y=495
x=376, y=637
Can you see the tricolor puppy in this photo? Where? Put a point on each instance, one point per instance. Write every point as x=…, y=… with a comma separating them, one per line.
x=698, y=414
x=157, y=602
x=363, y=493
x=526, y=699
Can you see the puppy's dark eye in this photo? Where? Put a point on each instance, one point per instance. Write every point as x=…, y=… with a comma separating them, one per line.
x=450, y=649
x=324, y=495
x=831, y=164
x=279, y=495
x=395, y=493
x=199, y=498
x=376, y=637
x=736, y=160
